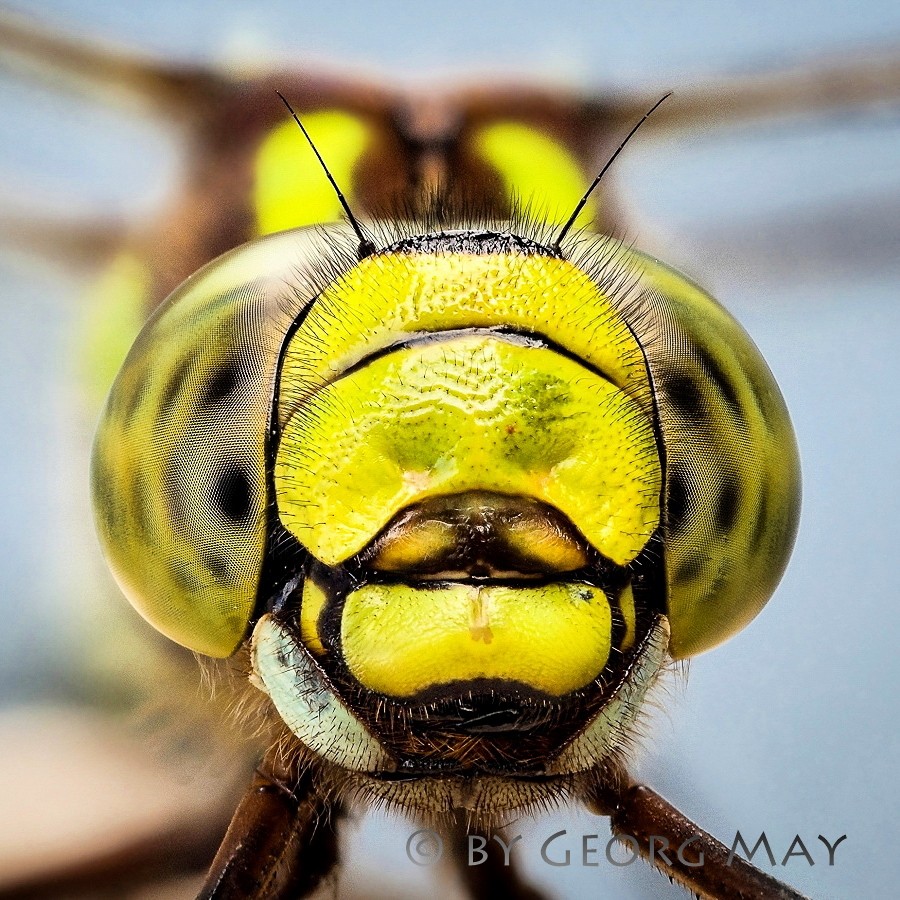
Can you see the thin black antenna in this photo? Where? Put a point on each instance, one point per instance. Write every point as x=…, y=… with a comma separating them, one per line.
x=609, y=162
x=366, y=247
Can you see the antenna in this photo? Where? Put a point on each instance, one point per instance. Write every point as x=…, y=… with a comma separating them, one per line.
x=366, y=247
x=596, y=181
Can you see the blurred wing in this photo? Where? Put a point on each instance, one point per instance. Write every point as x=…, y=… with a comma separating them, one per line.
x=403, y=144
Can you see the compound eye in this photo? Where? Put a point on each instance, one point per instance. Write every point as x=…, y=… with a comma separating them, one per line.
x=177, y=478
x=732, y=468
x=178, y=471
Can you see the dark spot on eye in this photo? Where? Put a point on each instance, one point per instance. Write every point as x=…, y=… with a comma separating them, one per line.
x=722, y=382
x=727, y=504
x=175, y=382
x=677, y=502
x=684, y=393
x=222, y=382
x=100, y=477
x=688, y=570
x=185, y=579
x=217, y=567
x=233, y=494
x=175, y=503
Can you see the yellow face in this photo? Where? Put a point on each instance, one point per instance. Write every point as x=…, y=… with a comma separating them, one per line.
x=464, y=497
x=508, y=486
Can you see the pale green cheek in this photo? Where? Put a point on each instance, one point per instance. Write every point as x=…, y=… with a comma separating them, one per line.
x=307, y=703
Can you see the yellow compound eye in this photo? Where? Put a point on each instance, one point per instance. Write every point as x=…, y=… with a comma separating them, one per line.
x=178, y=470
x=732, y=495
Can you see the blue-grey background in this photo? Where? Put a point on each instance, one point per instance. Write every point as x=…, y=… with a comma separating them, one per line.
x=790, y=727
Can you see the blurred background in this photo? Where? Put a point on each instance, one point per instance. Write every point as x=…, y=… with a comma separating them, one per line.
x=793, y=223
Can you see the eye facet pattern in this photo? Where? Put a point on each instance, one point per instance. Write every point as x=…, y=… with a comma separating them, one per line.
x=732, y=492
x=179, y=469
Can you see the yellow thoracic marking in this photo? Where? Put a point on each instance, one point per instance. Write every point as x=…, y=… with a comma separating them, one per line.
x=388, y=297
x=290, y=188
x=469, y=413
x=536, y=169
x=399, y=640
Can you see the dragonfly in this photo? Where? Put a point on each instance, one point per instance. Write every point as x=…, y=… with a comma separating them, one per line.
x=428, y=130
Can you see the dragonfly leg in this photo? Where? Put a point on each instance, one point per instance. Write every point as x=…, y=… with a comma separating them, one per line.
x=281, y=842
x=647, y=824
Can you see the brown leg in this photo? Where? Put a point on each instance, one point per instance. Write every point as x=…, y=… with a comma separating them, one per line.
x=651, y=826
x=281, y=842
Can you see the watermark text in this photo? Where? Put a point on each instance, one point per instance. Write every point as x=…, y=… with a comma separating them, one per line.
x=563, y=849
